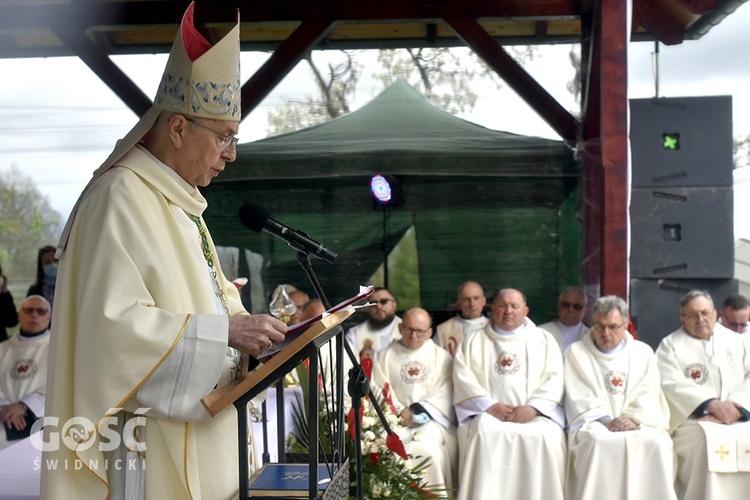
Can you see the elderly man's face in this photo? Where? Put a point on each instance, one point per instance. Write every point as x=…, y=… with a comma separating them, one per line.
x=571, y=308
x=735, y=319
x=509, y=310
x=698, y=318
x=608, y=330
x=34, y=315
x=471, y=301
x=203, y=155
x=384, y=310
x=415, y=329
x=299, y=298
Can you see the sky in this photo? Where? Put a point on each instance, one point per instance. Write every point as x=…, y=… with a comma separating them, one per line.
x=59, y=121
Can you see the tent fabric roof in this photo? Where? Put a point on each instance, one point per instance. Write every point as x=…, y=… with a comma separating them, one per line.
x=404, y=134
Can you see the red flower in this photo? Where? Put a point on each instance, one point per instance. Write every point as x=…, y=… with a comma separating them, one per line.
x=374, y=458
x=388, y=398
x=393, y=442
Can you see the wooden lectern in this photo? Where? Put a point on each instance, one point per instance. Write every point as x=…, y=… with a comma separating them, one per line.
x=242, y=390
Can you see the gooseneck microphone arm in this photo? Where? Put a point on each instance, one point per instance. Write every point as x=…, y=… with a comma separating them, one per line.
x=257, y=218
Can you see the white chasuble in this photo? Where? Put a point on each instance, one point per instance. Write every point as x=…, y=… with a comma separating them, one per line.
x=710, y=456
x=423, y=376
x=450, y=333
x=504, y=459
x=600, y=387
x=137, y=324
x=23, y=374
x=363, y=337
x=564, y=335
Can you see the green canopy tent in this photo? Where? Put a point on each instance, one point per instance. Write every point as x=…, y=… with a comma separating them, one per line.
x=478, y=204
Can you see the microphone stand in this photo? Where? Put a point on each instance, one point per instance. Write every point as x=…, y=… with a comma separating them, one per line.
x=358, y=386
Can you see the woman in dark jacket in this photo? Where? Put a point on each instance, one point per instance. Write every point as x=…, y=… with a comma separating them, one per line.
x=8, y=313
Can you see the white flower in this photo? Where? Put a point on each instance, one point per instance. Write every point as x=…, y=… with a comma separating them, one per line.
x=369, y=436
x=368, y=422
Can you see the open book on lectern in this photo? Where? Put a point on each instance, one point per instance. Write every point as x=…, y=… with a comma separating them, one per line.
x=295, y=331
x=298, y=337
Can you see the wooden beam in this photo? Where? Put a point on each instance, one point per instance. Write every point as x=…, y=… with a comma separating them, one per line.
x=98, y=61
x=664, y=19
x=612, y=25
x=515, y=76
x=590, y=152
x=282, y=61
x=153, y=12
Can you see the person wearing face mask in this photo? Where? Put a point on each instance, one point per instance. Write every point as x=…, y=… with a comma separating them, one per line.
x=46, y=274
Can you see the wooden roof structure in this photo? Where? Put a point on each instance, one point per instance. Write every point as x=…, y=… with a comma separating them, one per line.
x=95, y=29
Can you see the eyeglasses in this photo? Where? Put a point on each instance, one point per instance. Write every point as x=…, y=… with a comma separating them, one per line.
x=737, y=326
x=612, y=328
x=383, y=302
x=41, y=311
x=693, y=316
x=409, y=330
x=567, y=305
x=226, y=140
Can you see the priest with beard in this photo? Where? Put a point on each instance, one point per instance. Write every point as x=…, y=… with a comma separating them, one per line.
x=379, y=329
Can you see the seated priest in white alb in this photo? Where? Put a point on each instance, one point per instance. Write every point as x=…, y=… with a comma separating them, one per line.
x=617, y=414
x=571, y=309
x=379, y=329
x=419, y=375
x=705, y=375
x=23, y=371
x=508, y=395
x=471, y=302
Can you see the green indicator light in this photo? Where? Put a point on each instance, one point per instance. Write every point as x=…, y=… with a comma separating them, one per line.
x=671, y=141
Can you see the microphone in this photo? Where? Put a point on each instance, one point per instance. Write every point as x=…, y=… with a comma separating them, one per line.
x=257, y=218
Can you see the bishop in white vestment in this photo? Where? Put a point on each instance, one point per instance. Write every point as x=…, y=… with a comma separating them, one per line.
x=419, y=374
x=145, y=324
x=617, y=414
x=508, y=394
x=705, y=375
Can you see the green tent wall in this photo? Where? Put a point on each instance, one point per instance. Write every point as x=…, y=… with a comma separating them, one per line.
x=485, y=205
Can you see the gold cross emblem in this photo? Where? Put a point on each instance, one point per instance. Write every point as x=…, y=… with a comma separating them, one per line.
x=722, y=452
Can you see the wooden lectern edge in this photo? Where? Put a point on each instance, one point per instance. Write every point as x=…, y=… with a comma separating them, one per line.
x=219, y=399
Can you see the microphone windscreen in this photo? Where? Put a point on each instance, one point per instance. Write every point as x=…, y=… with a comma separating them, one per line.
x=254, y=216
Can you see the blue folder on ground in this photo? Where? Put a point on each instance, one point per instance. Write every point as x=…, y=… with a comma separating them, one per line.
x=287, y=480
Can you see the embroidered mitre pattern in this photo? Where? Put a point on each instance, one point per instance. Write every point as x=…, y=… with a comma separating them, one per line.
x=206, y=97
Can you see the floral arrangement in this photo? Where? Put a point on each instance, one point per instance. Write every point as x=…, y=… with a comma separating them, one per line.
x=387, y=471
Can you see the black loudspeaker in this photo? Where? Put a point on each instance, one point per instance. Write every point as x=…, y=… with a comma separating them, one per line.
x=655, y=304
x=682, y=233
x=681, y=142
